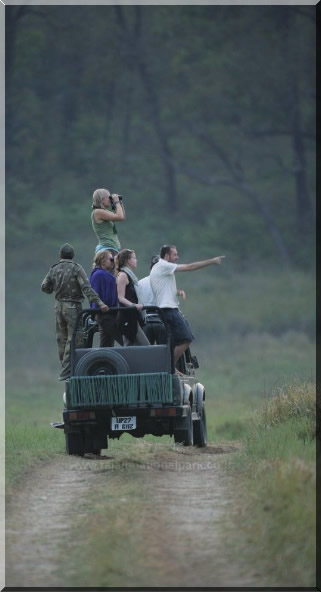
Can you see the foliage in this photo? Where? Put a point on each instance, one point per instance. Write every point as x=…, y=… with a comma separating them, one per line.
x=203, y=119
x=205, y=113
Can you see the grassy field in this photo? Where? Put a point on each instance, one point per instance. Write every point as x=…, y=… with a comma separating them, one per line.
x=256, y=350
x=236, y=383
x=275, y=511
x=272, y=519
x=239, y=380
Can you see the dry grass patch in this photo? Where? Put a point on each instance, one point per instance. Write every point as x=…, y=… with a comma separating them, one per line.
x=297, y=400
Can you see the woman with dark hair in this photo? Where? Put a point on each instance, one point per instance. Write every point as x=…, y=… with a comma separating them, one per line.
x=127, y=288
x=103, y=281
x=103, y=219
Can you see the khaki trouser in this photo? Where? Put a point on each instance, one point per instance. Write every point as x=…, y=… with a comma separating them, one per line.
x=66, y=315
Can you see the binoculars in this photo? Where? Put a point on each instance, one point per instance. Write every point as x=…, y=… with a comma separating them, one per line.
x=112, y=203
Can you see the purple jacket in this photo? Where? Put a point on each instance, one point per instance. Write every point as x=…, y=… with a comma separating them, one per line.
x=104, y=283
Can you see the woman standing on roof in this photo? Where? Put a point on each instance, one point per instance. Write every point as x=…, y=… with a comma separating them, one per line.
x=127, y=288
x=103, y=219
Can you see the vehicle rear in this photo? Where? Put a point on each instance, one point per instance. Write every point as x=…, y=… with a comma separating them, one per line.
x=133, y=389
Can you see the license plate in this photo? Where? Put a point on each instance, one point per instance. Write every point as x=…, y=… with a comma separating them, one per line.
x=119, y=424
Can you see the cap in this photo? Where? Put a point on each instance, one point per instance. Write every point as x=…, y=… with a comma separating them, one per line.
x=67, y=251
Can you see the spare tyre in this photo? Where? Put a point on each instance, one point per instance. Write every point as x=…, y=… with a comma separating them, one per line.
x=100, y=363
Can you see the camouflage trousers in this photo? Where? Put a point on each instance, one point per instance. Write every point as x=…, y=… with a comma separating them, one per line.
x=66, y=315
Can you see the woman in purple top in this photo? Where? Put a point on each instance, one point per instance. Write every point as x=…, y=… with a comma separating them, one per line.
x=104, y=283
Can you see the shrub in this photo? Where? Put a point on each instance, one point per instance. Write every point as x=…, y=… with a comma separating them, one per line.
x=295, y=401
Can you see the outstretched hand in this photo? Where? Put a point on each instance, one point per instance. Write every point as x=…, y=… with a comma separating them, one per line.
x=218, y=260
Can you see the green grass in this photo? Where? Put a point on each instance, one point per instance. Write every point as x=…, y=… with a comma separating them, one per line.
x=241, y=367
x=36, y=404
x=27, y=446
x=275, y=509
x=285, y=426
x=107, y=543
x=228, y=310
x=294, y=402
x=271, y=522
x=29, y=437
x=96, y=543
x=237, y=374
x=253, y=336
x=222, y=302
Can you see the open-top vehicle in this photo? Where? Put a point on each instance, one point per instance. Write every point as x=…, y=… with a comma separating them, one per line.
x=134, y=389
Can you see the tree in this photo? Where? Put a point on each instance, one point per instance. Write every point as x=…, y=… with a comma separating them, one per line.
x=136, y=58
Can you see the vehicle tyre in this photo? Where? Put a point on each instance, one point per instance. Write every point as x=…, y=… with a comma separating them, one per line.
x=101, y=363
x=96, y=451
x=75, y=443
x=199, y=396
x=200, y=430
x=183, y=433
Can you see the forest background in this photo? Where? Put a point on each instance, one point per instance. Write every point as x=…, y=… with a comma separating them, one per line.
x=203, y=117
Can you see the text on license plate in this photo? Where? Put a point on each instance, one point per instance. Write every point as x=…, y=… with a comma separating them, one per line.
x=123, y=423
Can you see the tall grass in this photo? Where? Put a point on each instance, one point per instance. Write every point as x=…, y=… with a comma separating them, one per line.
x=297, y=401
x=275, y=508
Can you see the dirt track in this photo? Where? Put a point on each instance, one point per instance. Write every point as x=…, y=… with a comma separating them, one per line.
x=186, y=494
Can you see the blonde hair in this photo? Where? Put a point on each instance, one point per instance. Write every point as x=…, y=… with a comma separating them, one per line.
x=98, y=196
x=100, y=256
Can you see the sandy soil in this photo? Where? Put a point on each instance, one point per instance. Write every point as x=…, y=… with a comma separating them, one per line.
x=187, y=494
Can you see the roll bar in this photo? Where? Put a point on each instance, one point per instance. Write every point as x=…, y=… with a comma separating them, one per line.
x=126, y=309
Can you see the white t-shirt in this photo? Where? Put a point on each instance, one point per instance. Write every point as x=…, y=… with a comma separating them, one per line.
x=145, y=292
x=163, y=283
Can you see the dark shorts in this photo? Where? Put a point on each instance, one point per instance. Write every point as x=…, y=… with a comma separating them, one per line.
x=178, y=326
x=154, y=329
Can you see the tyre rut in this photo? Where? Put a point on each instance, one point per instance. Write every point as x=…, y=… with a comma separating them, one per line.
x=186, y=493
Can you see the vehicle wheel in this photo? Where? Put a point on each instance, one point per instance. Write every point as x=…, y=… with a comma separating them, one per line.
x=75, y=443
x=183, y=433
x=101, y=363
x=200, y=430
x=96, y=451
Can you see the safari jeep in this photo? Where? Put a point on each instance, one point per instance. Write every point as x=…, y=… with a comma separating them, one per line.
x=134, y=389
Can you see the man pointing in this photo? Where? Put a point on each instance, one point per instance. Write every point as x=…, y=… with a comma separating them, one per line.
x=163, y=284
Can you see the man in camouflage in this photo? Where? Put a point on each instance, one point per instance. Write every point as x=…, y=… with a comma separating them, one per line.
x=70, y=283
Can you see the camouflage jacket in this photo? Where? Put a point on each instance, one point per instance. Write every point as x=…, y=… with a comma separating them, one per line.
x=69, y=282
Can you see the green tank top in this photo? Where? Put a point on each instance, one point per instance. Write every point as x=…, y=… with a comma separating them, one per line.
x=106, y=233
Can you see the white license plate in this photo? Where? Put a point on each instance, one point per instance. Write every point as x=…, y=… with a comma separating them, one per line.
x=119, y=424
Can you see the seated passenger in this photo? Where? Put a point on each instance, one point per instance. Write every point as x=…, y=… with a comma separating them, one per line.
x=104, y=283
x=130, y=323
